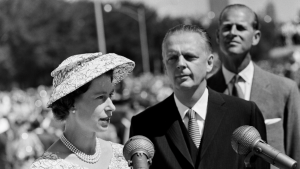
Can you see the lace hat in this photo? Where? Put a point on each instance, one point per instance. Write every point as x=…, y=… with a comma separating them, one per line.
x=80, y=69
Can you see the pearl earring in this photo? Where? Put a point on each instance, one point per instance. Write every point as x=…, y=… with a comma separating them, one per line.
x=73, y=111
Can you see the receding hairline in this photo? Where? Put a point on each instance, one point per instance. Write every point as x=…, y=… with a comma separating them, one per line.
x=255, y=22
x=204, y=44
x=179, y=29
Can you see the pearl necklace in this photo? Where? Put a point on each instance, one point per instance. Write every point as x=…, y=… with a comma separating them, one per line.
x=81, y=155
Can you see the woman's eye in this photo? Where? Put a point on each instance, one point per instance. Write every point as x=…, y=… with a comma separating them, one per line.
x=111, y=95
x=100, y=97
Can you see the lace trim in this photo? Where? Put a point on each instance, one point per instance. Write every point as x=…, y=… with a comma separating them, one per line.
x=51, y=160
x=118, y=161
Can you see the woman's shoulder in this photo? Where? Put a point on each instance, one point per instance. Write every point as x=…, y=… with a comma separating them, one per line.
x=116, y=146
x=117, y=149
x=51, y=160
x=47, y=160
x=118, y=160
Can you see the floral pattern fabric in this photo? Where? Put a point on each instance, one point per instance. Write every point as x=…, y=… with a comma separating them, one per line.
x=52, y=161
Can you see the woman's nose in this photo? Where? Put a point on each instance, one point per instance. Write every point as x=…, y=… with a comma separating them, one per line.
x=110, y=106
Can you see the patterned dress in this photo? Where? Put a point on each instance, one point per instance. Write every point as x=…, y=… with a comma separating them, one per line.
x=52, y=161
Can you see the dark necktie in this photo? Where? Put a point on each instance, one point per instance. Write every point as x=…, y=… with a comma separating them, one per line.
x=236, y=89
x=193, y=128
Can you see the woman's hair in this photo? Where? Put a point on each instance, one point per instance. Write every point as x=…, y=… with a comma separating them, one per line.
x=61, y=107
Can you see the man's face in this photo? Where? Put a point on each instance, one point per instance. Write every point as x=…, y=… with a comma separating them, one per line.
x=236, y=34
x=186, y=60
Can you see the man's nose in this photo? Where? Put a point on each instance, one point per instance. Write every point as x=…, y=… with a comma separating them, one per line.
x=181, y=62
x=233, y=30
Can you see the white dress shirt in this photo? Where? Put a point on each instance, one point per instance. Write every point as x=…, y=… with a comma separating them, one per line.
x=200, y=108
x=246, y=74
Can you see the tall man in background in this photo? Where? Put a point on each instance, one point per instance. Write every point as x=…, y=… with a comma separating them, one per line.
x=277, y=97
x=192, y=128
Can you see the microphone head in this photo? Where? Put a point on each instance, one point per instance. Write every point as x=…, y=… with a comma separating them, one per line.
x=244, y=138
x=138, y=144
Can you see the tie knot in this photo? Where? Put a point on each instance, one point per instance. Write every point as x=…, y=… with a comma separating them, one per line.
x=191, y=114
x=236, y=78
x=236, y=89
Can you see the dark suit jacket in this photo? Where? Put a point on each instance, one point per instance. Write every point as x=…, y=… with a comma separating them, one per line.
x=276, y=97
x=161, y=124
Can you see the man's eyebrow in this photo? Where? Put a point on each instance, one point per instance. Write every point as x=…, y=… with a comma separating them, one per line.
x=172, y=52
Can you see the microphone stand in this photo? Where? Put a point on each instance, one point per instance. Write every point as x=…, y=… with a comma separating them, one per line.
x=247, y=161
x=139, y=160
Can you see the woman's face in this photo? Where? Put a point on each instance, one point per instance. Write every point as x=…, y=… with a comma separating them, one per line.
x=93, y=109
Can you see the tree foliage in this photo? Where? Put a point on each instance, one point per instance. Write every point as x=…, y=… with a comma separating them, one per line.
x=36, y=35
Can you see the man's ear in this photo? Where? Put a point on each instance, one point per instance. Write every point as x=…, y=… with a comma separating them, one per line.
x=165, y=69
x=256, y=37
x=217, y=36
x=164, y=65
x=210, y=63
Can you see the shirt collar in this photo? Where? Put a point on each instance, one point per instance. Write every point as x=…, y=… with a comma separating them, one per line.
x=246, y=74
x=200, y=107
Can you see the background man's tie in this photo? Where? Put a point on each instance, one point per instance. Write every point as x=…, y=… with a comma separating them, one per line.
x=236, y=89
x=193, y=128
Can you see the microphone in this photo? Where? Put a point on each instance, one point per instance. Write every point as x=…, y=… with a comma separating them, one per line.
x=139, y=151
x=246, y=140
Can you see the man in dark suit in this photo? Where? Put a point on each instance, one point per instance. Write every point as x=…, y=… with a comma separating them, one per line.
x=192, y=128
x=277, y=97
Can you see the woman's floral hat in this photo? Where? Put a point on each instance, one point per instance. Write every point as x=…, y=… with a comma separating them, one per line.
x=80, y=69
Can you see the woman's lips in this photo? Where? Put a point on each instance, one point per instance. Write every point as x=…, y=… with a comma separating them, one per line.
x=105, y=119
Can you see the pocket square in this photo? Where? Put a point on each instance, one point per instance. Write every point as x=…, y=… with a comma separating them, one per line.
x=272, y=121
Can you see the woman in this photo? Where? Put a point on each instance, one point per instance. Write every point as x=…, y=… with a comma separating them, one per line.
x=83, y=87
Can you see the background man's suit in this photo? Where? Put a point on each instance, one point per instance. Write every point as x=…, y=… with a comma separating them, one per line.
x=276, y=97
x=163, y=125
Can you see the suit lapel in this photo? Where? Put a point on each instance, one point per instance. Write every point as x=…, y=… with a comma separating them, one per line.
x=217, y=82
x=215, y=114
x=259, y=87
x=177, y=138
x=175, y=132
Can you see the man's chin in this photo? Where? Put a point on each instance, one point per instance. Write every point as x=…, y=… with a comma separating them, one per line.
x=184, y=86
x=234, y=51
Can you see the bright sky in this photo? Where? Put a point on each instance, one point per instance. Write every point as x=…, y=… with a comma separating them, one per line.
x=286, y=10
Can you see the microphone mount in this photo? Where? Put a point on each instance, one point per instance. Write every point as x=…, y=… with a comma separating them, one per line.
x=139, y=155
x=138, y=152
x=246, y=141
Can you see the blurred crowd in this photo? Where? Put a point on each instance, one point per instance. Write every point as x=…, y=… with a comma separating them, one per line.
x=27, y=126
